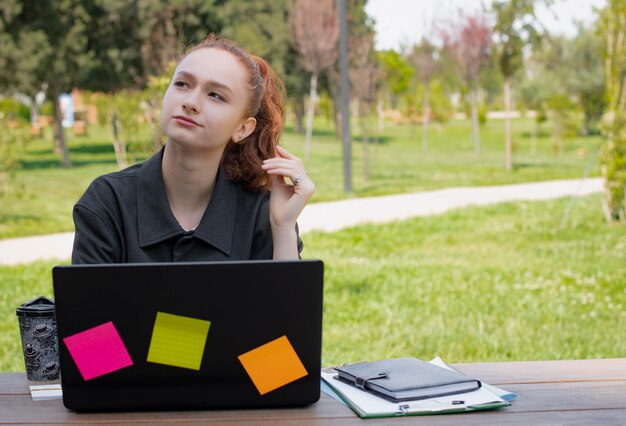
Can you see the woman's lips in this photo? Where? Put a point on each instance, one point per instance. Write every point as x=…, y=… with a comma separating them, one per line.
x=185, y=121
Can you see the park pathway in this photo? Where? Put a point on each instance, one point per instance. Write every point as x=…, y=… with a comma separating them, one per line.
x=335, y=215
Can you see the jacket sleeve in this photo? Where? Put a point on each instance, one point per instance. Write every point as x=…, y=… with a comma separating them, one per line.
x=263, y=246
x=96, y=237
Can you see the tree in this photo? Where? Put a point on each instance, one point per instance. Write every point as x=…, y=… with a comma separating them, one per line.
x=316, y=31
x=133, y=40
x=397, y=74
x=423, y=60
x=364, y=77
x=44, y=44
x=613, y=27
x=12, y=141
x=358, y=25
x=555, y=64
x=514, y=29
x=268, y=33
x=588, y=76
x=471, y=44
x=533, y=95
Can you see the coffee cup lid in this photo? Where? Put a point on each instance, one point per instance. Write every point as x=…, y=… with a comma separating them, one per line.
x=38, y=307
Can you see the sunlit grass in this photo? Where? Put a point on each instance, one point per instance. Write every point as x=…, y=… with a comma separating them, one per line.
x=478, y=284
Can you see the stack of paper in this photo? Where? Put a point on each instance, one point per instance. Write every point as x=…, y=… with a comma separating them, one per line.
x=367, y=405
x=46, y=392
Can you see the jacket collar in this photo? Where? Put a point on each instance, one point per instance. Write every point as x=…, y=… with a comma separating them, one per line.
x=157, y=222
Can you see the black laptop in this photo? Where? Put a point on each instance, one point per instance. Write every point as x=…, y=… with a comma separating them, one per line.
x=169, y=336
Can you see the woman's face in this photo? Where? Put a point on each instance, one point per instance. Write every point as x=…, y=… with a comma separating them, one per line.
x=205, y=103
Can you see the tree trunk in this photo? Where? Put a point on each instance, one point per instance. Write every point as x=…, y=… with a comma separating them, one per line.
x=60, y=143
x=366, y=141
x=475, y=123
x=298, y=109
x=310, y=116
x=508, y=149
x=425, y=118
x=533, y=148
x=558, y=134
x=119, y=144
x=34, y=114
x=381, y=119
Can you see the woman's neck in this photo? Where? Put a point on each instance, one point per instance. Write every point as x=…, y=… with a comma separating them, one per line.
x=189, y=177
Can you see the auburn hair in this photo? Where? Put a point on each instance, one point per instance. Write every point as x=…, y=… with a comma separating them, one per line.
x=242, y=160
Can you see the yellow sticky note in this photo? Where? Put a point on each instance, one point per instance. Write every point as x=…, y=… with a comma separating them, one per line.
x=273, y=365
x=178, y=341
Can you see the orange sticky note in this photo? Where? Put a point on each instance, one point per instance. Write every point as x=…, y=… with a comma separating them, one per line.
x=273, y=365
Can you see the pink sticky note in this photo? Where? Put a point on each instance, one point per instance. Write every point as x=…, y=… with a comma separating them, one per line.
x=98, y=351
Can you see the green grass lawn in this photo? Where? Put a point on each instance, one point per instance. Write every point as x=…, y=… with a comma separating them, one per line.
x=40, y=199
x=476, y=284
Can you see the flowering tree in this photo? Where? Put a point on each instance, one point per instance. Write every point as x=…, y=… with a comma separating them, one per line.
x=364, y=77
x=422, y=58
x=316, y=29
x=470, y=43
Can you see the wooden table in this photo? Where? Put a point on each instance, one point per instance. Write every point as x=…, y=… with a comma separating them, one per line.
x=549, y=392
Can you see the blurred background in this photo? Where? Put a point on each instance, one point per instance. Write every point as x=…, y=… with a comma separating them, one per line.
x=442, y=94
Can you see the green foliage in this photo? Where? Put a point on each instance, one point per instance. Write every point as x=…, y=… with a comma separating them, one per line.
x=587, y=79
x=411, y=103
x=129, y=111
x=43, y=46
x=130, y=41
x=491, y=84
x=12, y=140
x=13, y=110
x=614, y=152
x=440, y=102
x=514, y=29
x=398, y=72
x=482, y=110
x=46, y=109
x=266, y=33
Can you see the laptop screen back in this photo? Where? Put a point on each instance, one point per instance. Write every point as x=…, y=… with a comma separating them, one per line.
x=189, y=335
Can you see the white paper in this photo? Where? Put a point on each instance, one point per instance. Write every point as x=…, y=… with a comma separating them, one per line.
x=371, y=405
x=46, y=392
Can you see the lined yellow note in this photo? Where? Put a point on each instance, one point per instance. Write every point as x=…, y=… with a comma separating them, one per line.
x=273, y=365
x=178, y=341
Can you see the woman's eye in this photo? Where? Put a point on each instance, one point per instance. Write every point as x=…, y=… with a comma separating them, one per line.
x=181, y=84
x=216, y=96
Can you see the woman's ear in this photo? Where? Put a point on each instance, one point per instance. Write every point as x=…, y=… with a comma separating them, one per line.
x=244, y=130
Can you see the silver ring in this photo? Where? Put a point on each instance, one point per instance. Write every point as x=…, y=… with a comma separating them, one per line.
x=297, y=180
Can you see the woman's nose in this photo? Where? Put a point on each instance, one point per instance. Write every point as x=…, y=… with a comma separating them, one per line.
x=191, y=104
x=190, y=107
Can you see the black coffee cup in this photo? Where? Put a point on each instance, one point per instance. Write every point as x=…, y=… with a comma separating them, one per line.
x=38, y=328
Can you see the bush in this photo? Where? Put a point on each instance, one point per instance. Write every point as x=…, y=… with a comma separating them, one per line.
x=12, y=109
x=12, y=140
x=440, y=107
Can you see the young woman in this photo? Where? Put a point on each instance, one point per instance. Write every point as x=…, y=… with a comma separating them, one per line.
x=206, y=195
